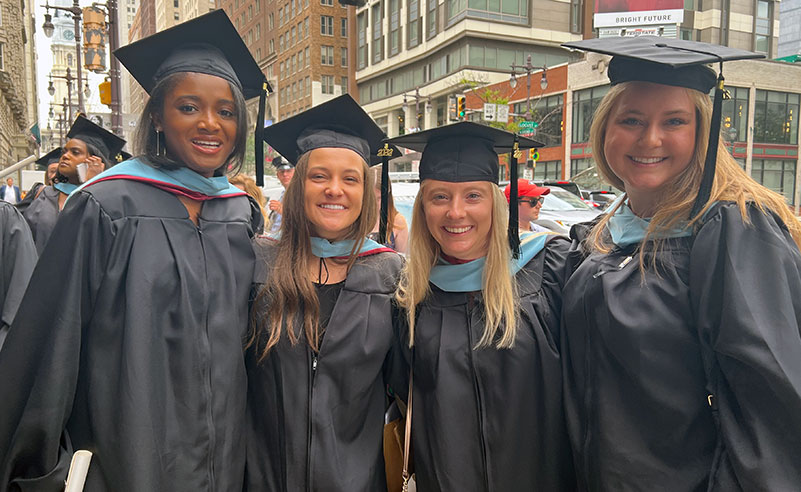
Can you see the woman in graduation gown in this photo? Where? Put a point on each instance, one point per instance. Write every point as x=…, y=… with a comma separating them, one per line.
x=129, y=341
x=87, y=143
x=321, y=352
x=483, y=325
x=682, y=336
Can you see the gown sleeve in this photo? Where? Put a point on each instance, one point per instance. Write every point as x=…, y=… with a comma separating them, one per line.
x=42, y=356
x=18, y=257
x=744, y=285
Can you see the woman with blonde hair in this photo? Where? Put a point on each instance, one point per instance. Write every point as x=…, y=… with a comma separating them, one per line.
x=482, y=325
x=681, y=330
x=320, y=355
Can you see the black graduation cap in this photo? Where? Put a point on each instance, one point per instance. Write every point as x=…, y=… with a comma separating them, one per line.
x=280, y=164
x=338, y=123
x=468, y=151
x=88, y=132
x=51, y=157
x=677, y=63
x=208, y=44
x=123, y=156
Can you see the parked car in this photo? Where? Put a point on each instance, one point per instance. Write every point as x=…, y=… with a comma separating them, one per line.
x=602, y=197
x=561, y=209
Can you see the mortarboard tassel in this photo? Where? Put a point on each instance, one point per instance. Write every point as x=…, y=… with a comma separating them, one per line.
x=710, y=163
x=514, y=237
x=383, y=236
x=259, y=136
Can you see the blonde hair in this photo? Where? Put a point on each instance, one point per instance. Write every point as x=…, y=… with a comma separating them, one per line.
x=499, y=290
x=250, y=187
x=731, y=182
x=289, y=290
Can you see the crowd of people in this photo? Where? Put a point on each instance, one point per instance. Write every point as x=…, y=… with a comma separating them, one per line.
x=195, y=336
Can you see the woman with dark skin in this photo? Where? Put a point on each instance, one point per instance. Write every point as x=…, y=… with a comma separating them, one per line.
x=129, y=342
x=88, y=144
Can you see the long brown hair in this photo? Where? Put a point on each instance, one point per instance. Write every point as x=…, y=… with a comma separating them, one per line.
x=289, y=291
x=498, y=287
x=731, y=182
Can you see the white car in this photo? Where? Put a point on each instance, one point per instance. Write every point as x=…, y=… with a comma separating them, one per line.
x=561, y=209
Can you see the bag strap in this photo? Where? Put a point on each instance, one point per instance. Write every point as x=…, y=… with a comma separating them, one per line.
x=408, y=433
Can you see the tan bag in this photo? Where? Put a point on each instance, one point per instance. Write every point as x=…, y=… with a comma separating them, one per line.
x=397, y=452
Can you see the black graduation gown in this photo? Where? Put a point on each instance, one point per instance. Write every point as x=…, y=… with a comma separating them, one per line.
x=129, y=343
x=17, y=259
x=635, y=384
x=486, y=419
x=41, y=215
x=316, y=422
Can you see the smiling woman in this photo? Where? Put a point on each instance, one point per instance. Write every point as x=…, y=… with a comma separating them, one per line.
x=130, y=340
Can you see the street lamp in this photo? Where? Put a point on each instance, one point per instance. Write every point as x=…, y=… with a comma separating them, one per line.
x=48, y=29
x=69, y=78
x=417, y=98
x=527, y=69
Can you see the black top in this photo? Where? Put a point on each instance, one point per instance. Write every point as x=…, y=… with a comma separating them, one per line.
x=634, y=350
x=327, y=295
x=316, y=420
x=488, y=419
x=129, y=343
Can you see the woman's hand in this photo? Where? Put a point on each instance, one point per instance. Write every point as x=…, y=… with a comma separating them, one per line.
x=276, y=206
x=95, y=166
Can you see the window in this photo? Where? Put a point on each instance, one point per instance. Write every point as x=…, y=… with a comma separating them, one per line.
x=281, y=70
x=272, y=46
x=175, y=3
x=281, y=16
x=330, y=3
x=431, y=19
x=258, y=53
x=579, y=165
x=2, y=58
x=300, y=59
x=286, y=13
x=327, y=53
x=258, y=6
x=176, y=17
x=308, y=86
x=762, y=26
x=584, y=104
x=294, y=64
x=326, y=25
x=548, y=112
x=306, y=27
x=343, y=27
x=69, y=59
x=376, y=13
x=575, y=16
x=250, y=38
x=327, y=83
x=514, y=11
x=258, y=32
x=414, y=23
x=306, y=56
x=548, y=170
x=344, y=85
x=343, y=57
x=776, y=117
x=280, y=43
x=735, y=115
x=361, y=29
x=293, y=35
x=271, y=21
x=394, y=27
x=250, y=12
x=777, y=175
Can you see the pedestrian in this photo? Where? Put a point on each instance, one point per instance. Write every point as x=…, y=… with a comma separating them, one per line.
x=321, y=354
x=481, y=326
x=284, y=170
x=89, y=150
x=248, y=185
x=529, y=203
x=50, y=162
x=129, y=341
x=681, y=330
x=17, y=259
x=9, y=191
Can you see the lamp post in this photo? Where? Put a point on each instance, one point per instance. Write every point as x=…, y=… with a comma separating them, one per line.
x=527, y=69
x=417, y=97
x=48, y=29
x=69, y=78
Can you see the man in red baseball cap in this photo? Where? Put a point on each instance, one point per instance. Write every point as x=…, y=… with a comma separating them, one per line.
x=529, y=202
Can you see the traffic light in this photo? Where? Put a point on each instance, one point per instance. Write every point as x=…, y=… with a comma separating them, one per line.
x=105, y=92
x=562, y=126
x=451, y=108
x=533, y=155
x=95, y=36
x=461, y=110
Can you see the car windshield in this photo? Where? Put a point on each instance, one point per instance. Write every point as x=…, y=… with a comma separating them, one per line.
x=559, y=199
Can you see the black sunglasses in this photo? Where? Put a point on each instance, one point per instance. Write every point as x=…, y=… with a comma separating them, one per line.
x=532, y=201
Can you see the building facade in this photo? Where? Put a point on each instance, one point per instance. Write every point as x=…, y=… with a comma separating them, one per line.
x=790, y=34
x=15, y=116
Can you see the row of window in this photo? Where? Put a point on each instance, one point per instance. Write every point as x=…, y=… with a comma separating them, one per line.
x=327, y=56
x=302, y=88
x=395, y=37
x=294, y=35
x=294, y=63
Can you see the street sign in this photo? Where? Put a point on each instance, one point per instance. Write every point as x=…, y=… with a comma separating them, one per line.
x=502, y=113
x=528, y=128
x=489, y=111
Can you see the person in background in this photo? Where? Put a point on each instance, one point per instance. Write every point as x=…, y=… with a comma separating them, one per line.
x=89, y=150
x=129, y=340
x=50, y=174
x=399, y=231
x=321, y=352
x=481, y=326
x=17, y=259
x=9, y=192
x=248, y=185
x=530, y=200
x=50, y=162
x=284, y=170
x=681, y=335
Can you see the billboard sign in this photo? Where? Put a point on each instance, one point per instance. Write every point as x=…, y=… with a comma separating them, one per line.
x=621, y=13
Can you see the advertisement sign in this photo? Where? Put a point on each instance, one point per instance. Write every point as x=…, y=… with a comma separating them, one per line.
x=619, y=13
